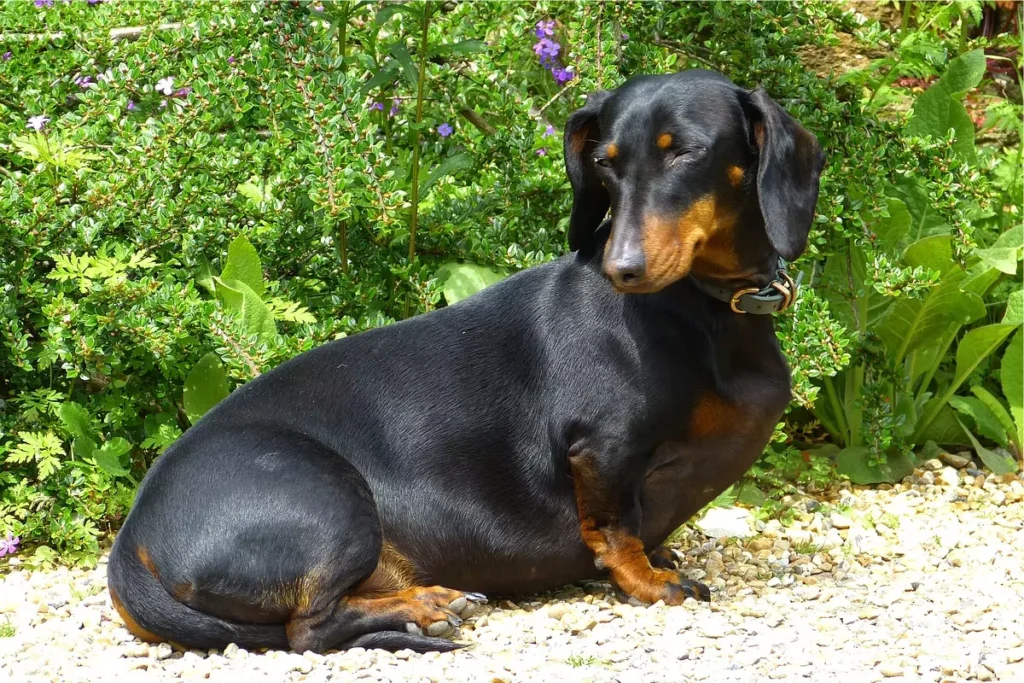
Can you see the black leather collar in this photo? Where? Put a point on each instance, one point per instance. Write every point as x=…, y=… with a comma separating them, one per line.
x=776, y=296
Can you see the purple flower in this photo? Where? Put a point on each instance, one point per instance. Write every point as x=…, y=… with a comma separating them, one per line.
x=550, y=131
x=44, y=3
x=38, y=122
x=377, y=106
x=96, y=2
x=9, y=545
x=8, y=55
x=625, y=36
x=562, y=76
x=444, y=130
x=318, y=8
x=231, y=60
x=394, y=107
x=183, y=92
x=546, y=50
x=84, y=82
x=542, y=152
x=131, y=105
x=544, y=28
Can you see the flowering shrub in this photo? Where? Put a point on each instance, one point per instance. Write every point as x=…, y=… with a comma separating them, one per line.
x=343, y=165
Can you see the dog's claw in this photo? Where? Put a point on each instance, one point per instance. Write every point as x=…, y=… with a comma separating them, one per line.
x=455, y=621
x=476, y=597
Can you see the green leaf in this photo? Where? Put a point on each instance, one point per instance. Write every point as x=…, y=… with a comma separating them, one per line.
x=76, y=420
x=981, y=418
x=890, y=230
x=244, y=265
x=998, y=464
x=255, y=190
x=387, y=73
x=83, y=447
x=1002, y=259
x=465, y=279
x=1011, y=375
x=205, y=387
x=854, y=462
x=204, y=275
x=450, y=165
x=463, y=47
x=402, y=55
x=911, y=323
x=964, y=72
x=1014, y=314
x=1011, y=239
x=391, y=9
x=976, y=346
x=998, y=410
x=979, y=283
x=107, y=457
x=255, y=316
x=934, y=252
x=944, y=429
x=938, y=108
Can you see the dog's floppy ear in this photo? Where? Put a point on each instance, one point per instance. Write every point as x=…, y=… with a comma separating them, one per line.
x=789, y=166
x=590, y=200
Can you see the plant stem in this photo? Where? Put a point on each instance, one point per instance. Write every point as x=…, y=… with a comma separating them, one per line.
x=963, y=32
x=837, y=408
x=343, y=34
x=905, y=24
x=416, y=139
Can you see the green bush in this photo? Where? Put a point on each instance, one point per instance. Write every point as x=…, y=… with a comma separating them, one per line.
x=341, y=165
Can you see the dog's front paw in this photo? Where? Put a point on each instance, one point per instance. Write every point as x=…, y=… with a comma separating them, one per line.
x=668, y=587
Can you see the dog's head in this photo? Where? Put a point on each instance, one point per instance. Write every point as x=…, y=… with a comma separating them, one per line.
x=700, y=175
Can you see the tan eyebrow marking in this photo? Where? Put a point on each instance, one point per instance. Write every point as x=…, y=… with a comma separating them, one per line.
x=664, y=141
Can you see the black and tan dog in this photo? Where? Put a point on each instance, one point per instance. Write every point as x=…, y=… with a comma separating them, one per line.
x=555, y=427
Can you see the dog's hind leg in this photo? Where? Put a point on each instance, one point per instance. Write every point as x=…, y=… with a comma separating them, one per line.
x=385, y=611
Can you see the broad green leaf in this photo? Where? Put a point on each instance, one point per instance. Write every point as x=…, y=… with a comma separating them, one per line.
x=938, y=108
x=944, y=429
x=998, y=410
x=255, y=315
x=83, y=447
x=1011, y=239
x=934, y=252
x=255, y=190
x=107, y=457
x=911, y=323
x=465, y=279
x=997, y=463
x=244, y=265
x=981, y=418
x=1011, y=375
x=976, y=346
x=450, y=165
x=896, y=226
x=402, y=55
x=1002, y=259
x=76, y=420
x=1014, y=314
x=205, y=387
x=964, y=72
x=854, y=462
x=979, y=282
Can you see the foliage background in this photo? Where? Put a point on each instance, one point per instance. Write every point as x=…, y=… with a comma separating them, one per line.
x=317, y=131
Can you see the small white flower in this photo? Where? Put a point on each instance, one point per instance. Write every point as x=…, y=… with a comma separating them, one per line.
x=166, y=85
x=38, y=122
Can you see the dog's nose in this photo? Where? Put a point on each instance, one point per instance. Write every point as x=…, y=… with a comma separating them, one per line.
x=627, y=271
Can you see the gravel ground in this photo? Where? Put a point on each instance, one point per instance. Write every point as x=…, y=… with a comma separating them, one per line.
x=922, y=581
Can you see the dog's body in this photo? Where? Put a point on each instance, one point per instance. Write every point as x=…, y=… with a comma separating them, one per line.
x=547, y=430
